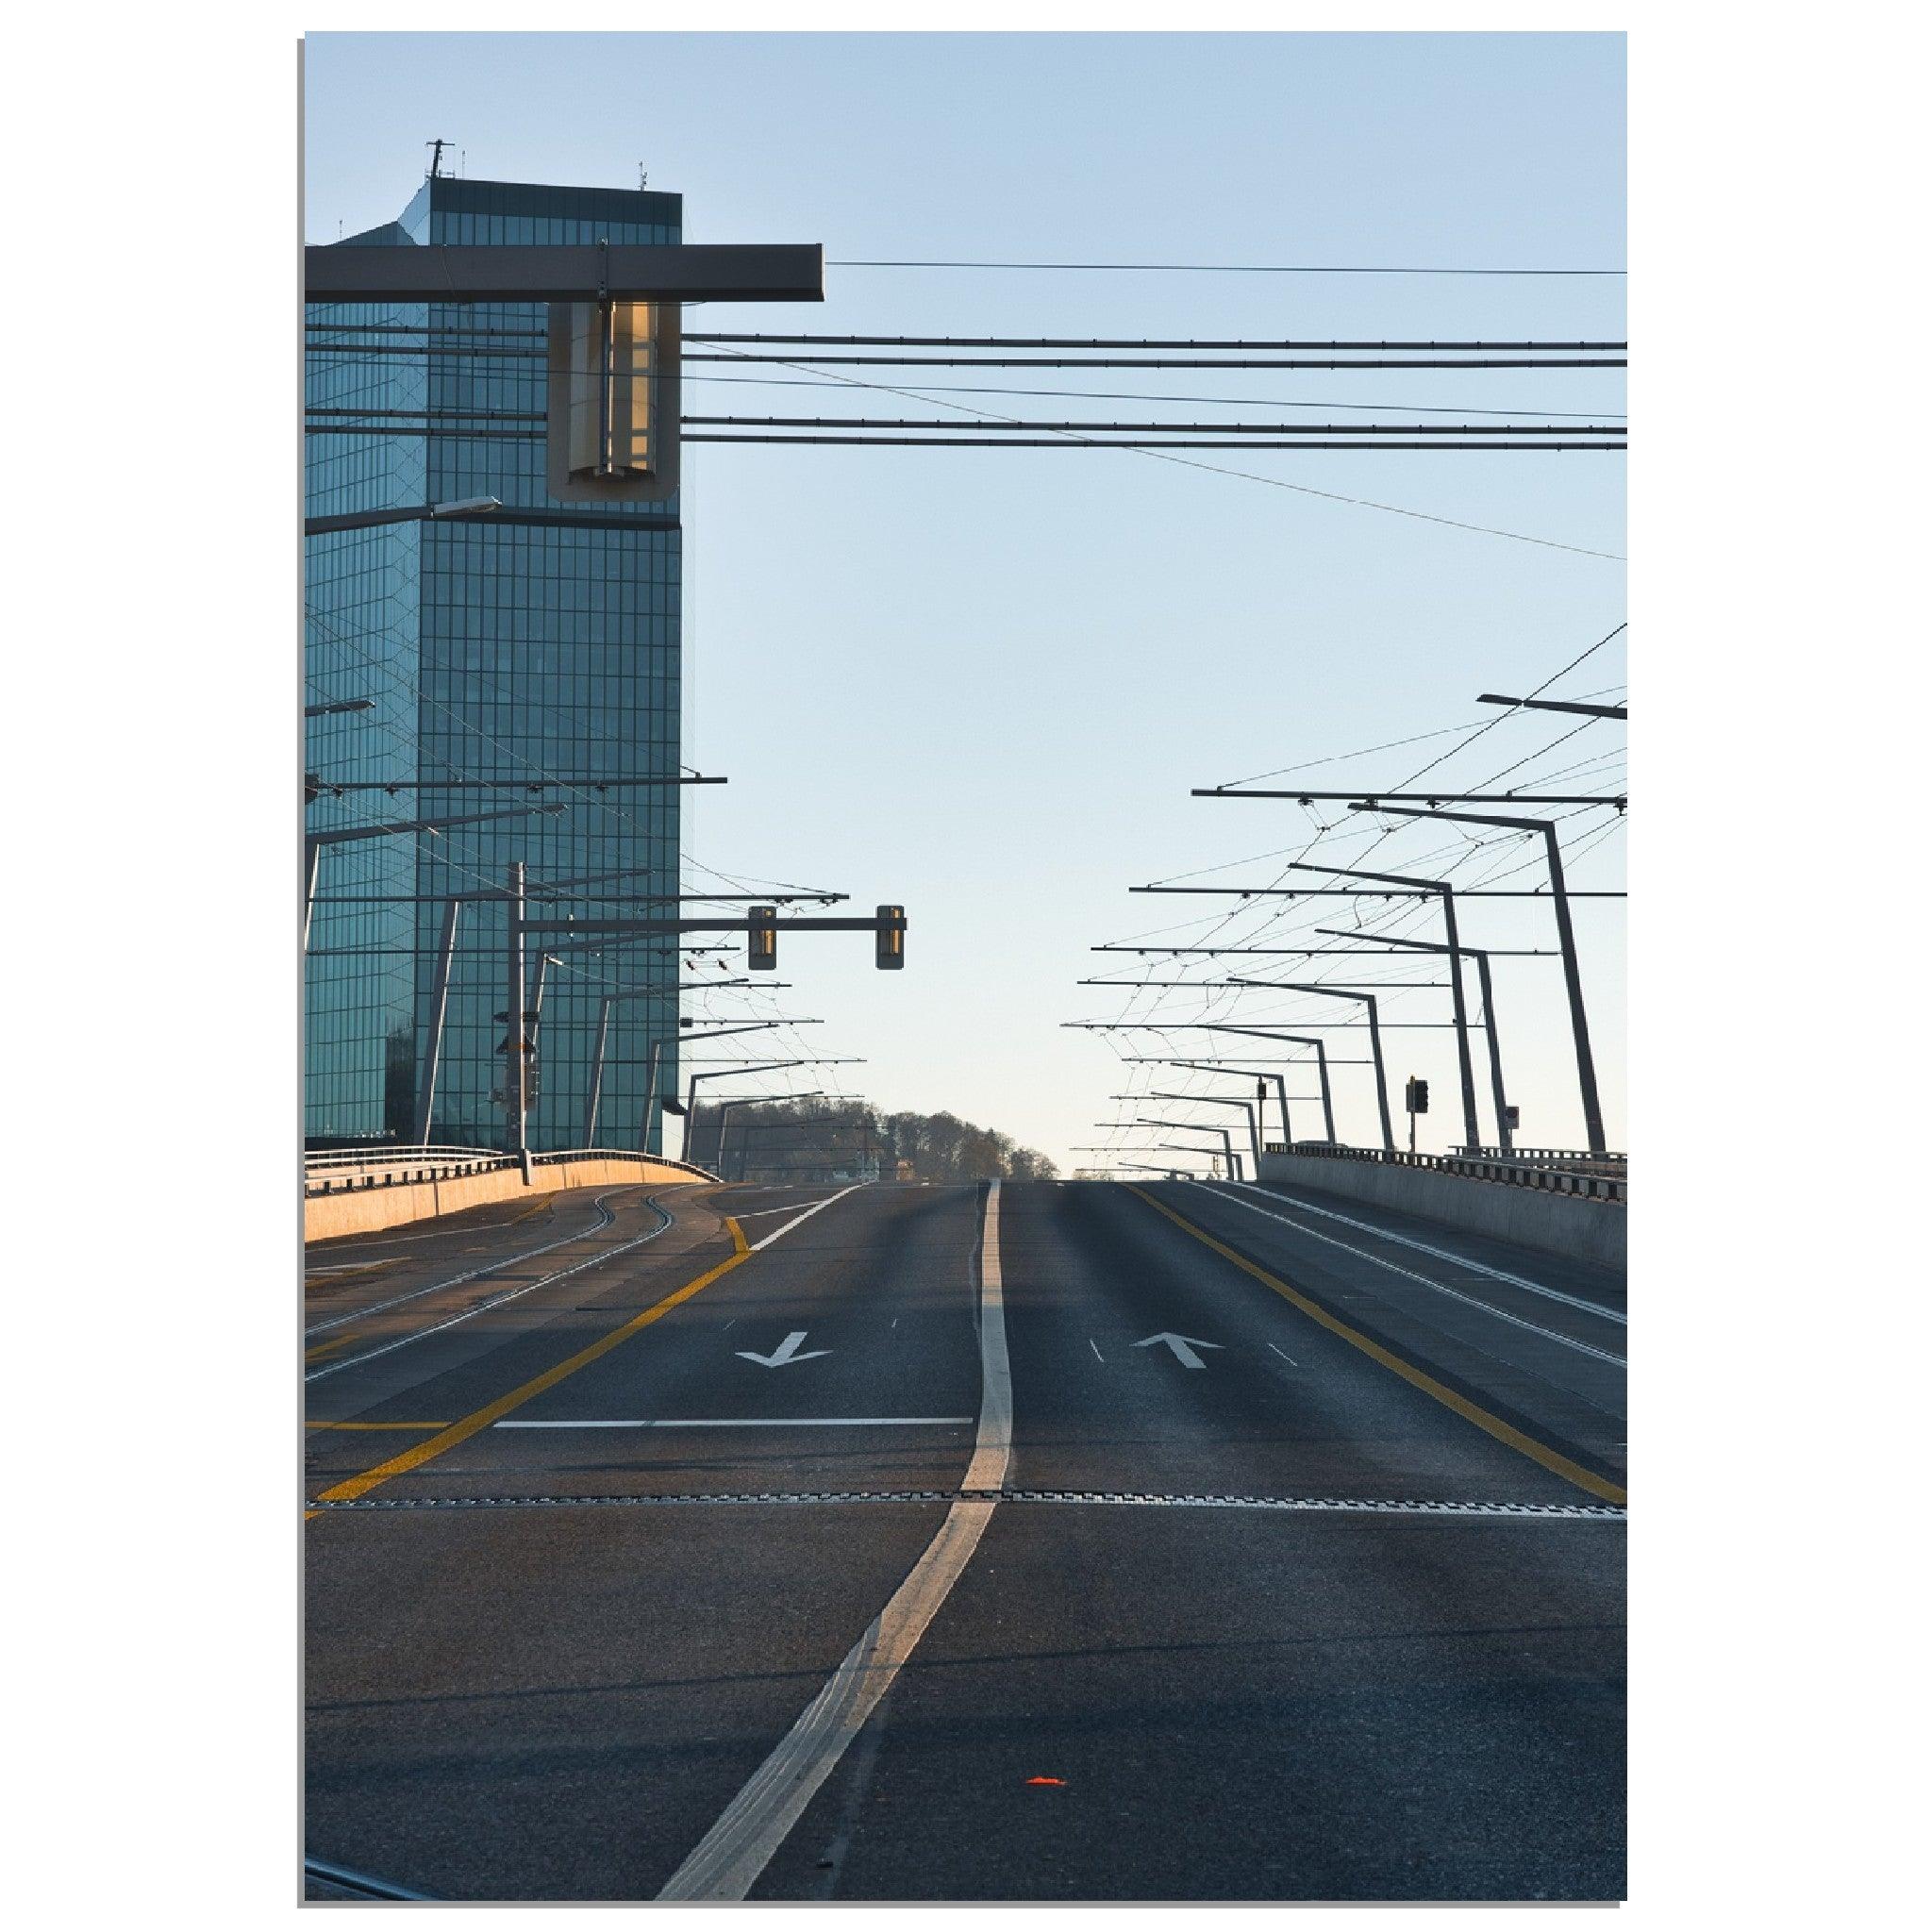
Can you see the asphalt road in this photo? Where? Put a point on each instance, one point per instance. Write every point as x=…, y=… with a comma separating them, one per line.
x=906, y=1543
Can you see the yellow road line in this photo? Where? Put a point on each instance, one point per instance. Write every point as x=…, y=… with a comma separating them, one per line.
x=491, y=1411
x=1490, y=1424
x=323, y=1348
x=376, y=1425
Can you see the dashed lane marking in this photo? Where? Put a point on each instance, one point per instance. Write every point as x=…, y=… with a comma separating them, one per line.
x=1511, y=1437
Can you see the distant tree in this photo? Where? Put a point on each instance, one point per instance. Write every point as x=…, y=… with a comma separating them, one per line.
x=784, y=1139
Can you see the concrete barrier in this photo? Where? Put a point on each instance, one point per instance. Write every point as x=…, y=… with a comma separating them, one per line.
x=1565, y=1225
x=365, y=1210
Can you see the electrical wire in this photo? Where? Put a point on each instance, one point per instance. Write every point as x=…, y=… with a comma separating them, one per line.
x=1233, y=268
x=1249, y=475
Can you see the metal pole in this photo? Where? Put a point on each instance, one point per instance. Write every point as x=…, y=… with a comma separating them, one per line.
x=312, y=857
x=1579, y=1023
x=1505, y=1137
x=515, y=1092
x=597, y=1076
x=1327, y=1094
x=439, y=1008
x=651, y=1095
x=1482, y=956
x=537, y=997
x=1381, y=1072
x=1471, y=1128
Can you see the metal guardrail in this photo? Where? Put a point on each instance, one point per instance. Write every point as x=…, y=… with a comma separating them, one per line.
x=389, y=1151
x=342, y=1171
x=696, y=1173
x=1575, y=1159
x=1610, y=1189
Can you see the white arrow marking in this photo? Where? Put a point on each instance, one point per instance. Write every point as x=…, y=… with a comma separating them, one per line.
x=1183, y=1346
x=787, y=1351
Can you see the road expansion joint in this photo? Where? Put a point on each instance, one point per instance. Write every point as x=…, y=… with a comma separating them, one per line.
x=1339, y=1506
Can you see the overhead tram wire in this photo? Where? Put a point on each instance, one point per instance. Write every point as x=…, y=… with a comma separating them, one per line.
x=1084, y=342
x=1136, y=442
x=1235, y=268
x=543, y=773
x=1073, y=394
x=1283, y=910
x=1584, y=428
x=1328, y=365
x=1249, y=475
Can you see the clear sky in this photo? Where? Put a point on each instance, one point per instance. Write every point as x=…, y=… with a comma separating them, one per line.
x=981, y=683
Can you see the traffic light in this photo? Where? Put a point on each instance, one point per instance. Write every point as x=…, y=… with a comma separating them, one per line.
x=761, y=939
x=1417, y=1095
x=891, y=957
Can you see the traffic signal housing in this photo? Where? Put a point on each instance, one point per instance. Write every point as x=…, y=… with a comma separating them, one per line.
x=1417, y=1095
x=761, y=939
x=891, y=955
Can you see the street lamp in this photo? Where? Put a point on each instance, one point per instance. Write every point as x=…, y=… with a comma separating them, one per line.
x=415, y=513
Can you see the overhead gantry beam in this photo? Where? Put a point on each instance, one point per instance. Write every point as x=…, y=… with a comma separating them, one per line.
x=696, y=272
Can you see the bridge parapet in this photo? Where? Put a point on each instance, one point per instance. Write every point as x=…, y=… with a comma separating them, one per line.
x=362, y=1190
x=1558, y=1210
x=1509, y=1170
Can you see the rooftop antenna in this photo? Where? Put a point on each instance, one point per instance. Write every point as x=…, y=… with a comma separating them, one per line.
x=643, y=178
x=435, y=156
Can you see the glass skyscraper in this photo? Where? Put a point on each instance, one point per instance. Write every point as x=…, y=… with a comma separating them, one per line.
x=533, y=647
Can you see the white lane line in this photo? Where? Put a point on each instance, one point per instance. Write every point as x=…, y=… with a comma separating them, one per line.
x=815, y=1206
x=728, y=1860
x=994, y=1445
x=496, y=1300
x=1286, y=1356
x=488, y=1268
x=1096, y=1347
x=779, y=1422
x=1382, y=1234
x=1455, y=1294
x=753, y=1213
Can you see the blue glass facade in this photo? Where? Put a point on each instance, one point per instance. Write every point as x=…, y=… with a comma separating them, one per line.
x=538, y=644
